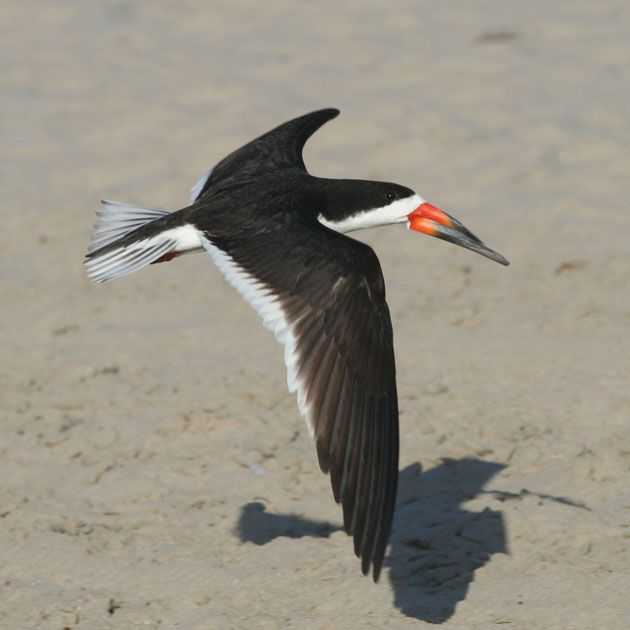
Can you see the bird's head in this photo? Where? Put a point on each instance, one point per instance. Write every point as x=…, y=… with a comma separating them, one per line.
x=356, y=205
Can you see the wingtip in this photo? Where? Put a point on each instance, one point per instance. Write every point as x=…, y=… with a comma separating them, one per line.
x=376, y=564
x=332, y=112
x=376, y=573
x=325, y=114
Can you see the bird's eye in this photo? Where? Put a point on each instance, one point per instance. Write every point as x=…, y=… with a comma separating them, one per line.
x=390, y=196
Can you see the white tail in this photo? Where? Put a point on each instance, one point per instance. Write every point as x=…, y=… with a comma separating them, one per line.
x=117, y=220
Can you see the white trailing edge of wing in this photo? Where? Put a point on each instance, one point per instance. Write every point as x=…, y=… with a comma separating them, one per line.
x=195, y=191
x=262, y=299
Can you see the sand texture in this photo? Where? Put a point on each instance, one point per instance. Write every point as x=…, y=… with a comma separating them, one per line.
x=155, y=472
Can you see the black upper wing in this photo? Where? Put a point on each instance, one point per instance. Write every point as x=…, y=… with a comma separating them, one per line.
x=329, y=295
x=277, y=149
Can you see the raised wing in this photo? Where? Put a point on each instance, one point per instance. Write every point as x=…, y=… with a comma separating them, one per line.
x=277, y=149
x=331, y=314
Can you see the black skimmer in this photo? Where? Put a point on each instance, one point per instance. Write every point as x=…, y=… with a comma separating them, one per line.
x=278, y=236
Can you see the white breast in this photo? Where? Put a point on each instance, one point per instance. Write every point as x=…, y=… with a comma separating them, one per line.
x=395, y=212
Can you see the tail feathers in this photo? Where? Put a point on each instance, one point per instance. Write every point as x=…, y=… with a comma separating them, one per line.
x=123, y=260
x=116, y=221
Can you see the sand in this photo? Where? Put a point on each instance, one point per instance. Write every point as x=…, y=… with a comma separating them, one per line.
x=155, y=471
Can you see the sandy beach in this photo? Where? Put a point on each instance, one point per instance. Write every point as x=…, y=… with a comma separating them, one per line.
x=155, y=471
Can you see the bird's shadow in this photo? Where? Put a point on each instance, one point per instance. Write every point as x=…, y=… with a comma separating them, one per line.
x=436, y=545
x=258, y=526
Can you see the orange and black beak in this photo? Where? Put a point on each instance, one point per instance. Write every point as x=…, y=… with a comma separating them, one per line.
x=431, y=220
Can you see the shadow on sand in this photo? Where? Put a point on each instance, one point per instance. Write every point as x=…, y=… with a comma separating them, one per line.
x=436, y=545
x=258, y=526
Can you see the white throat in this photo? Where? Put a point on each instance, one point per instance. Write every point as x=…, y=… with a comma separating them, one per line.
x=395, y=212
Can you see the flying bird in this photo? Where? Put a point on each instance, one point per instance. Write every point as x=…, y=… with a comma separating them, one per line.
x=278, y=235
